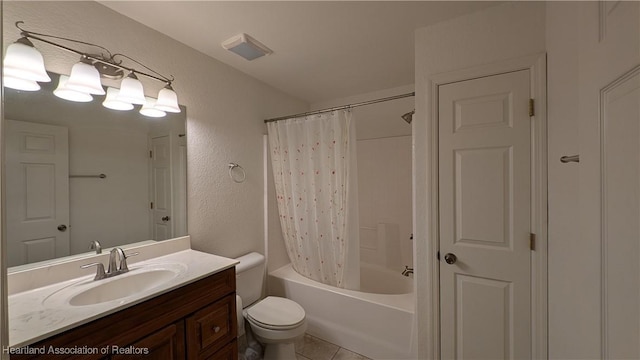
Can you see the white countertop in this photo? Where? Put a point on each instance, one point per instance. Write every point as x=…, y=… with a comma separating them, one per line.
x=35, y=314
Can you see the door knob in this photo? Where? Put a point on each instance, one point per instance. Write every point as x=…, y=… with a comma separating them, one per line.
x=166, y=218
x=62, y=227
x=450, y=258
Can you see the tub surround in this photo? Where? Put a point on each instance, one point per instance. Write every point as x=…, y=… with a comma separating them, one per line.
x=35, y=315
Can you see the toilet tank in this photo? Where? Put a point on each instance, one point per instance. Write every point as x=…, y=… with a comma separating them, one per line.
x=250, y=277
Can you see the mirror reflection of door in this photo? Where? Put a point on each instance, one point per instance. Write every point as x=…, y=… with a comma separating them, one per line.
x=161, y=200
x=37, y=192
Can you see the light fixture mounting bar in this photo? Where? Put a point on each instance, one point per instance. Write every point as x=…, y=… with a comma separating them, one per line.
x=103, y=60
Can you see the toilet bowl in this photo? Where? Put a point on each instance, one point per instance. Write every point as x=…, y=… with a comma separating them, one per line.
x=275, y=322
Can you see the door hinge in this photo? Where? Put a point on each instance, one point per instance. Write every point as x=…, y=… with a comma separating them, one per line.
x=151, y=205
x=150, y=154
x=532, y=241
x=531, y=107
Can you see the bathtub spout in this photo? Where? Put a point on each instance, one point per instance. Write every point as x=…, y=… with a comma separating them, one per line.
x=407, y=270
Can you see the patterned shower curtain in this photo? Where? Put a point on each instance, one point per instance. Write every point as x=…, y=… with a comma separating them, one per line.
x=314, y=170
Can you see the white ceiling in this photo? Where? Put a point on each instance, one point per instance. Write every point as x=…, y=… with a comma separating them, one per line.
x=322, y=49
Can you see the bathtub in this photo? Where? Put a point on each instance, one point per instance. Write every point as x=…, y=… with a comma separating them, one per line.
x=376, y=322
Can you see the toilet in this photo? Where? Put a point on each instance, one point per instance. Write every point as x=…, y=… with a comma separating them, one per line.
x=276, y=322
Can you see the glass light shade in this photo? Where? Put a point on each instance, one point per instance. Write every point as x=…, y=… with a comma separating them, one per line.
x=22, y=61
x=112, y=102
x=149, y=109
x=131, y=90
x=168, y=100
x=20, y=84
x=63, y=92
x=85, y=78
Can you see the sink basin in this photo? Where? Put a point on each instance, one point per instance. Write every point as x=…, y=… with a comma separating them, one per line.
x=122, y=286
x=137, y=281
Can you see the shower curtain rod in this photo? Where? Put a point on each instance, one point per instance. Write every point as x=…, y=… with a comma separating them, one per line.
x=341, y=107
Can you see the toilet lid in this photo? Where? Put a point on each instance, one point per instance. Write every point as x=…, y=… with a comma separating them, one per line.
x=275, y=312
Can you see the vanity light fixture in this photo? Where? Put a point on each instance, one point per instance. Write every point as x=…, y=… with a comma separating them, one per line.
x=24, y=68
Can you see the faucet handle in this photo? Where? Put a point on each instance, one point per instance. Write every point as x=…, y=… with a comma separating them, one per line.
x=123, y=262
x=100, y=274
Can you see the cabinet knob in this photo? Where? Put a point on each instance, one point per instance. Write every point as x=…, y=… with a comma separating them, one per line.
x=216, y=329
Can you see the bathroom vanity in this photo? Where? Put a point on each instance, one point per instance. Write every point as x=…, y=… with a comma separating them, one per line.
x=191, y=315
x=197, y=321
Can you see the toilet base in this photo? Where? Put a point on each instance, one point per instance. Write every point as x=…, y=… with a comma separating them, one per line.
x=280, y=351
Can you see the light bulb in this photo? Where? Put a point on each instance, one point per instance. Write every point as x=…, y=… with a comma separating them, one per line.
x=20, y=84
x=168, y=100
x=23, y=61
x=111, y=101
x=149, y=109
x=131, y=90
x=85, y=78
x=63, y=92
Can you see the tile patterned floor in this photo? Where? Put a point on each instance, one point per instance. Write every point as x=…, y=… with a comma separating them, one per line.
x=313, y=348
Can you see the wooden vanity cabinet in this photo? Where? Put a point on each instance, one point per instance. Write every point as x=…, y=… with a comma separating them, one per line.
x=195, y=321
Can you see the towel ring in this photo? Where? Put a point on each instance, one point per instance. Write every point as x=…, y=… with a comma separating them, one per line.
x=243, y=174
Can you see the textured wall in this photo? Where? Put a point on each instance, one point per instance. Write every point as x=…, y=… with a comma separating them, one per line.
x=225, y=109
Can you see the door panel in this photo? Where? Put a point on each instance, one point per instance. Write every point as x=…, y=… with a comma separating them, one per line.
x=496, y=299
x=37, y=191
x=483, y=195
x=485, y=206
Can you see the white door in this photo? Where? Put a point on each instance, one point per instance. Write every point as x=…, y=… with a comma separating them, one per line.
x=37, y=192
x=485, y=205
x=161, y=188
x=609, y=189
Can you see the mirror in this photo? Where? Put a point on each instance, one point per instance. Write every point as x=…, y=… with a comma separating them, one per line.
x=79, y=172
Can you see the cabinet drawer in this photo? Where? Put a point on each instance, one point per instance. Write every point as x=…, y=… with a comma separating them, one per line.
x=212, y=327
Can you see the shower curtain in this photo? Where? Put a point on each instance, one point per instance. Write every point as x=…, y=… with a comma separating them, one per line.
x=314, y=170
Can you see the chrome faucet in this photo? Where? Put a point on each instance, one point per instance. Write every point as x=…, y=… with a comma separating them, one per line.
x=115, y=267
x=407, y=270
x=95, y=245
x=115, y=252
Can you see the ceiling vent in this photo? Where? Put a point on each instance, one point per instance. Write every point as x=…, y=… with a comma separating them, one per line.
x=246, y=46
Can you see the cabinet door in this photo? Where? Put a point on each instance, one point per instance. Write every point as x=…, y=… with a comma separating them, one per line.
x=164, y=344
x=210, y=328
x=229, y=352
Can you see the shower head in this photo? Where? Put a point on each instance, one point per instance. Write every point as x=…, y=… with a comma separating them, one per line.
x=408, y=116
